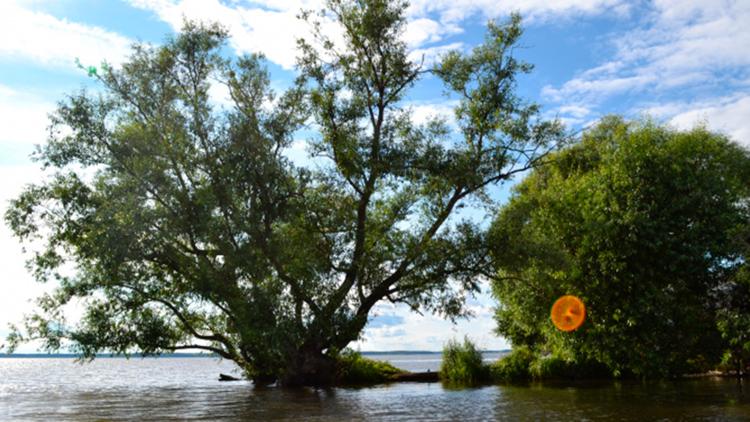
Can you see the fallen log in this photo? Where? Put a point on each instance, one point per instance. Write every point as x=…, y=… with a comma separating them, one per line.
x=416, y=377
x=401, y=377
x=225, y=377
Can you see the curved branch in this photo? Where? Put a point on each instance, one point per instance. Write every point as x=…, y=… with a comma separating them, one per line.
x=216, y=350
x=231, y=351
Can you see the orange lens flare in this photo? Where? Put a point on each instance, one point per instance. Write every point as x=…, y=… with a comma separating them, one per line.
x=568, y=313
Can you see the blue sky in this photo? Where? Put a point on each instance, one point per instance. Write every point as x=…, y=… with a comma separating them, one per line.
x=684, y=62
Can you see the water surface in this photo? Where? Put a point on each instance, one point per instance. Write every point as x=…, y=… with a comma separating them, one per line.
x=188, y=389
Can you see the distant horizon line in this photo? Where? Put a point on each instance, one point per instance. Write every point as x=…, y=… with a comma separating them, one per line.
x=200, y=354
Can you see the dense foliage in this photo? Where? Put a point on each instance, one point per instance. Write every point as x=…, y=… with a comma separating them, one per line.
x=177, y=224
x=643, y=223
x=524, y=364
x=514, y=366
x=733, y=319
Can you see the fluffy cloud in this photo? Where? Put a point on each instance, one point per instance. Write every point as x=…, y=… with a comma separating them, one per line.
x=48, y=40
x=725, y=114
x=571, y=114
x=422, y=111
x=407, y=330
x=27, y=114
x=430, y=332
x=451, y=11
x=679, y=44
x=423, y=30
x=20, y=287
x=271, y=29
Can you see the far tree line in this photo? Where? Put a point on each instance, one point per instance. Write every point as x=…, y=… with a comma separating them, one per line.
x=189, y=228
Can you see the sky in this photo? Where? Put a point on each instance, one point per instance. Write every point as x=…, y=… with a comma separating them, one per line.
x=682, y=62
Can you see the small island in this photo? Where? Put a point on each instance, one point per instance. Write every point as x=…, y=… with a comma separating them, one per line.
x=270, y=187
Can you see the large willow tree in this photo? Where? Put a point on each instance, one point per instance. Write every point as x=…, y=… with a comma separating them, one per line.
x=187, y=228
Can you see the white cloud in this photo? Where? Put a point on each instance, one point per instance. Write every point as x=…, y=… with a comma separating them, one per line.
x=455, y=11
x=272, y=27
x=679, y=44
x=600, y=87
x=26, y=117
x=219, y=95
x=20, y=288
x=421, y=112
x=423, y=30
x=48, y=40
x=272, y=30
x=725, y=114
x=575, y=111
x=570, y=114
x=430, y=332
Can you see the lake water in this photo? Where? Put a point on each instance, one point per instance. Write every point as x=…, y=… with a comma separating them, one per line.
x=187, y=389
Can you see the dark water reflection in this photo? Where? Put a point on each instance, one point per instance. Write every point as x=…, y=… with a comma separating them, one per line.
x=186, y=389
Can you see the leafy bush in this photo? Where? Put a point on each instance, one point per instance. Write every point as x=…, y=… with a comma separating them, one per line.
x=356, y=369
x=556, y=367
x=551, y=367
x=631, y=207
x=514, y=366
x=524, y=364
x=733, y=319
x=462, y=363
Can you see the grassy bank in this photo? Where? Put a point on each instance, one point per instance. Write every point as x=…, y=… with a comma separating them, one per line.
x=463, y=365
x=522, y=364
x=355, y=369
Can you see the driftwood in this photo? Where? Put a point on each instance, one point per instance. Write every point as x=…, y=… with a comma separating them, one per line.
x=416, y=377
x=225, y=377
x=402, y=377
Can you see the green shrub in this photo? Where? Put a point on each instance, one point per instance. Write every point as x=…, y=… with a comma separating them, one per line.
x=514, y=366
x=550, y=367
x=523, y=364
x=703, y=363
x=462, y=363
x=601, y=217
x=353, y=369
x=556, y=367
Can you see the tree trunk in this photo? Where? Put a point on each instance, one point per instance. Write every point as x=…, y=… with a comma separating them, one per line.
x=310, y=368
x=263, y=380
x=740, y=366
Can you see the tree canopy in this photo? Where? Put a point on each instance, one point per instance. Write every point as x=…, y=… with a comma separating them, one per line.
x=188, y=228
x=643, y=223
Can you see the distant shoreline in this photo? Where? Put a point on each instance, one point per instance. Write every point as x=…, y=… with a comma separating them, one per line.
x=205, y=355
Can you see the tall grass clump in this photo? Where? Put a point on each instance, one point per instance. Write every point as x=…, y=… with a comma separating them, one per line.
x=462, y=363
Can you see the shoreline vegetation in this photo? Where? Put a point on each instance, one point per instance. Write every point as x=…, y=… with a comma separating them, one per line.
x=462, y=366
